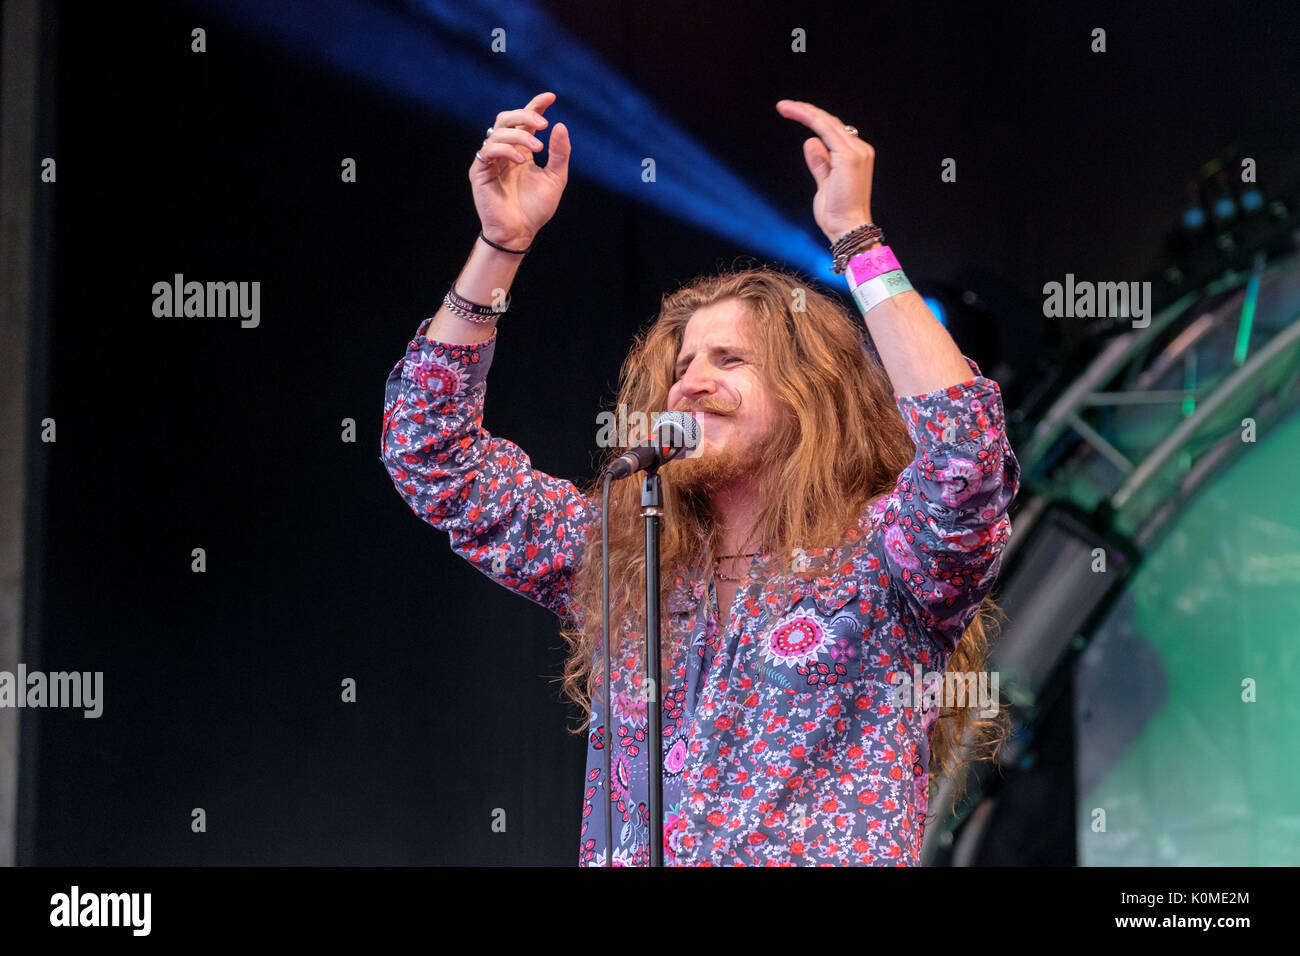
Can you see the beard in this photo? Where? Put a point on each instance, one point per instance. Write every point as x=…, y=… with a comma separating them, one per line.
x=716, y=469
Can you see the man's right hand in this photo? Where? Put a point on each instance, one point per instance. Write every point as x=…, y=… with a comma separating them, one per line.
x=513, y=195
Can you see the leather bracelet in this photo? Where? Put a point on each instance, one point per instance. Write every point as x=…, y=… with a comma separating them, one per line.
x=854, y=241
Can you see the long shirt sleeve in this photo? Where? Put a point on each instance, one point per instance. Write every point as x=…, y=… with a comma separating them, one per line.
x=519, y=526
x=945, y=524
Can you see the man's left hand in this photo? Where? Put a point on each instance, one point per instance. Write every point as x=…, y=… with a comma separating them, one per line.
x=842, y=165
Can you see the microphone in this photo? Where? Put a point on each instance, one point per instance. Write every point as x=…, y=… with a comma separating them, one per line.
x=674, y=434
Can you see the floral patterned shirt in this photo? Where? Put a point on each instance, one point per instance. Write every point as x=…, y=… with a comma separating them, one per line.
x=785, y=740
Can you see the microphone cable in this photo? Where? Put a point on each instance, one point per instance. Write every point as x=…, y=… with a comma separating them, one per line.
x=604, y=631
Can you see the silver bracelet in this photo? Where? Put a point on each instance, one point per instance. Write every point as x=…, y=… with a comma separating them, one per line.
x=455, y=307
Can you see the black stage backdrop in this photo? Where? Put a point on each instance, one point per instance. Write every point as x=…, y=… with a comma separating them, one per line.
x=222, y=690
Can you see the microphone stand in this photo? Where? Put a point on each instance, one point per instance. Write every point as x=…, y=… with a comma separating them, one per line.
x=651, y=511
x=675, y=434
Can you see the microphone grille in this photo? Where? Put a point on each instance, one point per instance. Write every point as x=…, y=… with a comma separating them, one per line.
x=678, y=430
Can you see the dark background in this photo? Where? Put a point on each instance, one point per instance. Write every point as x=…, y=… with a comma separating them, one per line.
x=222, y=690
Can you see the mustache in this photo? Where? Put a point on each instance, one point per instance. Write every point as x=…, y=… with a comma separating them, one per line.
x=713, y=405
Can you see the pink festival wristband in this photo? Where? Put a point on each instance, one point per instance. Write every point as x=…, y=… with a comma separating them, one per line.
x=867, y=265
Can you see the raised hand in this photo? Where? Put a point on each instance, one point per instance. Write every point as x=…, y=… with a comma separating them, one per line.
x=513, y=195
x=842, y=165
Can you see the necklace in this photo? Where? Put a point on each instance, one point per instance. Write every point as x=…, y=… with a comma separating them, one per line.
x=717, y=572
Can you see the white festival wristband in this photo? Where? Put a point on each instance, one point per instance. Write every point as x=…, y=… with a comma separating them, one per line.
x=875, y=291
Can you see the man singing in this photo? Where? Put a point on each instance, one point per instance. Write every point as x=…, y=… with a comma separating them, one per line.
x=839, y=529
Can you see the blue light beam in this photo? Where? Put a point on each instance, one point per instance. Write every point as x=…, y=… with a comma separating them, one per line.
x=436, y=54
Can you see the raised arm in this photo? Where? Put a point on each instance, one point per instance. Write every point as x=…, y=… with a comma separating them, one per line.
x=945, y=525
x=520, y=526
